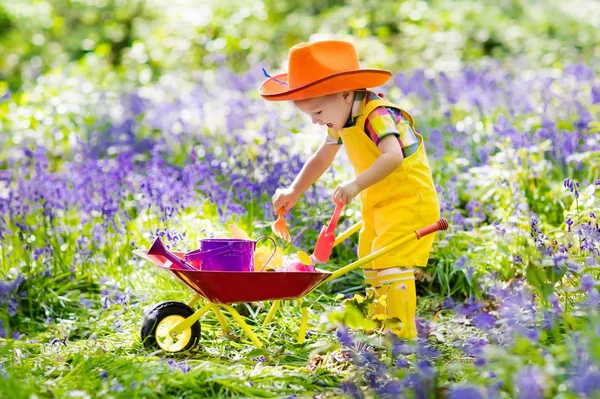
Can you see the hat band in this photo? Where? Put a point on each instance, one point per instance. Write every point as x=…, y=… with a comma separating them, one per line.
x=270, y=77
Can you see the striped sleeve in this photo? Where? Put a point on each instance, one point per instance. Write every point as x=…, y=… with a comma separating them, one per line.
x=383, y=121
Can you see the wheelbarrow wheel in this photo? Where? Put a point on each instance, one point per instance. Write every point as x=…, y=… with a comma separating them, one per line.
x=160, y=318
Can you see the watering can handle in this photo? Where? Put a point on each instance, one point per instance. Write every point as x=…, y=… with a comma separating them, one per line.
x=274, y=250
x=201, y=255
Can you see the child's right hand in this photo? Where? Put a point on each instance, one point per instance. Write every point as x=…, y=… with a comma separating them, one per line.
x=284, y=198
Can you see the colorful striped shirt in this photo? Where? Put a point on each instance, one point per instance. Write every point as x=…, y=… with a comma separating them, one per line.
x=381, y=122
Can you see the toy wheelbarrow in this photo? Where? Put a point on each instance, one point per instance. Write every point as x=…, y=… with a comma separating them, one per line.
x=174, y=326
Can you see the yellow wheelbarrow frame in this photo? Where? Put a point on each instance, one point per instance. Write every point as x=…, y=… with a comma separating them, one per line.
x=182, y=325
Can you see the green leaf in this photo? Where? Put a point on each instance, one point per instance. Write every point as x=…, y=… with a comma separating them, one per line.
x=535, y=276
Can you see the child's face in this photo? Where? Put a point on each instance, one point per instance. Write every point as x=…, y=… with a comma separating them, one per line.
x=332, y=110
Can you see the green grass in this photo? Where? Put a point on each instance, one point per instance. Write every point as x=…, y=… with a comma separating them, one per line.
x=96, y=352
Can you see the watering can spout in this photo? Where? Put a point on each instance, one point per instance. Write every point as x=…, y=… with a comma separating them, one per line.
x=159, y=249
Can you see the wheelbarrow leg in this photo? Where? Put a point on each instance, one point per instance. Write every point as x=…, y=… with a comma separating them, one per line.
x=187, y=323
x=194, y=300
x=272, y=312
x=244, y=326
x=220, y=317
x=303, y=323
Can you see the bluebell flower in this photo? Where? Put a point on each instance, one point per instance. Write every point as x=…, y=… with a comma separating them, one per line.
x=448, y=303
x=352, y=390
x=484, y=320
x=465, y=392
x=587, y=283
x=118, y=325
x=390, y=389
x=180, y=366
x=529, y=383
x=423, y=327
x=55, y=341
x=518, y=259
x=401, y=362
x=585, y=379
x=343, y=335
x=115, y=386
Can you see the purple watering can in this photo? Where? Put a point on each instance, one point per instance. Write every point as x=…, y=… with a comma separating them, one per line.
x=227, y=254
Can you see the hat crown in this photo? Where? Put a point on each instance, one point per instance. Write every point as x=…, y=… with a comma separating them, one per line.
x=310, y=62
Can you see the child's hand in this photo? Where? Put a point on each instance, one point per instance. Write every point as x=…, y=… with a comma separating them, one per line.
x=345, y=192
x=284, y=198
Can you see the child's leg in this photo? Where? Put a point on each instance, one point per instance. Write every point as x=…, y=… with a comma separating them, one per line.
x=365, y=247
x=399, y=286
x=372, y=280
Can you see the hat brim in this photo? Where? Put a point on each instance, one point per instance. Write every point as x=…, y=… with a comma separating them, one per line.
x=348, y=80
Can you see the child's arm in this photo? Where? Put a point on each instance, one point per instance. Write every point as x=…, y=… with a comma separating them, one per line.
x=391, y=157
x=316, y=165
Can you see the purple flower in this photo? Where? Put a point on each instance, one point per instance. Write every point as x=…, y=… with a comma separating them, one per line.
x=448, y=303
x=585, y=379
x=181, y=366
x=555, y=304
x=529, y=383
x=343, y=335
x=390, y=389
x=465, y=392
x=569, y=223
x=86, y=303
x=118, y=324
x=580, y=71
x=352, y=390
x=468, y=309
x=55, y=341
x=401, y=362
x=423, y=327
x=587, y=283
x=115, y=386
x=518, y=259
x=401, y=347
x=12, y=307
x=484, y=320
x=426, y=351
x=423, y=382
x=460, y=262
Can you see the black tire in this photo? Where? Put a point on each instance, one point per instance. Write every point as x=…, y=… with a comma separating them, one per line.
x=155, y=315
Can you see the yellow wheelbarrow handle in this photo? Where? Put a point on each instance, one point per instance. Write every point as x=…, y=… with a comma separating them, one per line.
x=353, y=229
x=441, y=224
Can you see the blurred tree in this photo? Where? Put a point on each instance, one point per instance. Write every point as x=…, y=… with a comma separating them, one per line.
x=141, y=39
x=40, y=35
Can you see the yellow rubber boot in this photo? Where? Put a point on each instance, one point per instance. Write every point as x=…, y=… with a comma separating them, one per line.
x=371, y=279
x=399, y=284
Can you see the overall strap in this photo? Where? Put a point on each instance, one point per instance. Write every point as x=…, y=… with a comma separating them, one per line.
x=371, y=105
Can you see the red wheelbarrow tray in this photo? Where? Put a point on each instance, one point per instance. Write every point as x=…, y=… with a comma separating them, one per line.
x=226, y=287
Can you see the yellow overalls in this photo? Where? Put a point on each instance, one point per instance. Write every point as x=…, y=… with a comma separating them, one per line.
x=404, y=201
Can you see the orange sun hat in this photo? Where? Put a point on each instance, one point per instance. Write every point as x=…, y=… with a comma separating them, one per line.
x=320, y=68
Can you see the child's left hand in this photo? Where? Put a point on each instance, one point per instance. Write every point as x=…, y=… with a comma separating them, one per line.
x=345, y=192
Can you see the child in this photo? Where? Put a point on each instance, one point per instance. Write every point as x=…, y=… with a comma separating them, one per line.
x=393, y=177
